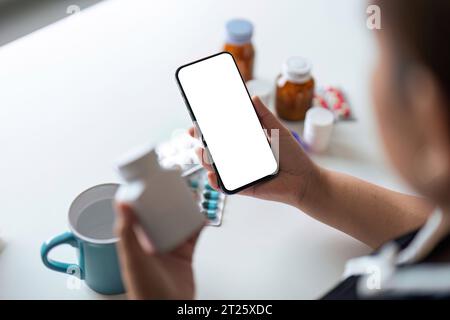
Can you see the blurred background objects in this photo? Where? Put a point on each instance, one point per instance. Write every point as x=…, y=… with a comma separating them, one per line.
x=21, y=17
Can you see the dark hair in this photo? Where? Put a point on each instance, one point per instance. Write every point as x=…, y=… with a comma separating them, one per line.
x=420, y=30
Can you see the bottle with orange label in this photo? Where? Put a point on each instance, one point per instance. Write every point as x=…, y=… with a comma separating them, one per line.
x=294, y=89
x=238, y=42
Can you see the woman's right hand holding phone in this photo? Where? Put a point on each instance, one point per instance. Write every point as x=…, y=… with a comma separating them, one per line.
x=297, y=173
x=367, y=212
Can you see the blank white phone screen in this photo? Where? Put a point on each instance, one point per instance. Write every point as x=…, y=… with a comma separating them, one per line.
x=227, y=119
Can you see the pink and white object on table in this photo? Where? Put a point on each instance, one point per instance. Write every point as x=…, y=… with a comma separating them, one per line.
x=333, y=99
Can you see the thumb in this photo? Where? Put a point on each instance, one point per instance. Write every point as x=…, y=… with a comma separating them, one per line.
x=132, y=257
x=267, y=118
x=129, y=247
x=125, y=226
x=144, y=277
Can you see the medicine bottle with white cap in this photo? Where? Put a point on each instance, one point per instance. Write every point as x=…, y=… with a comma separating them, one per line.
x=294, y=89
x=239, y=43
x=160, y=198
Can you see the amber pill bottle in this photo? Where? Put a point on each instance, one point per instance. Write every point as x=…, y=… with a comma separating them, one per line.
x=239, y=43
x=294, y=89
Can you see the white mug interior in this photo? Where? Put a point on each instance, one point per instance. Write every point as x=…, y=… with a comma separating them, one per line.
x=92, y=215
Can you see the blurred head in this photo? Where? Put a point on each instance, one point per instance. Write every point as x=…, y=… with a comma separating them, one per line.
x=411, y=88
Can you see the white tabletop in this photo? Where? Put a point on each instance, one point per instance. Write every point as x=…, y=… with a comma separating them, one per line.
x=77, y=94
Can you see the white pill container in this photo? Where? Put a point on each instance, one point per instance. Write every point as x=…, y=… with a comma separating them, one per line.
x=161, y=199
x=262, y=89
x=318, y=128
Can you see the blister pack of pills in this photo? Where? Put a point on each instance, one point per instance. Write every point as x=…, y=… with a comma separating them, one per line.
x=179, y=152
x=335, y=100
x=210, y=201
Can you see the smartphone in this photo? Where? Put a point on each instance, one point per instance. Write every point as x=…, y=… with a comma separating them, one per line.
x=223, y=113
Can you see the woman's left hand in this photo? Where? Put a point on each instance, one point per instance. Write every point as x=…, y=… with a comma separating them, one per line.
x=150, y=275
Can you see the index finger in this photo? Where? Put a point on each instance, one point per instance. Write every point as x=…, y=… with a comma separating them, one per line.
x=193, y=132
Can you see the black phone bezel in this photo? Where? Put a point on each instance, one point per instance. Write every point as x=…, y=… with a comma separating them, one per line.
x=191, y=113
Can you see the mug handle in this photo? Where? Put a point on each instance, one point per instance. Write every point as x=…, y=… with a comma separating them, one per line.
x=64, y=238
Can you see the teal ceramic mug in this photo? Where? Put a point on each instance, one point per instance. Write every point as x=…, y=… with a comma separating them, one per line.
x=91, y=224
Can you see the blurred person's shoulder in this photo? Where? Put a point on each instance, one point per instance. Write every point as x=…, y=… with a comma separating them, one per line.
x=347, y=289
